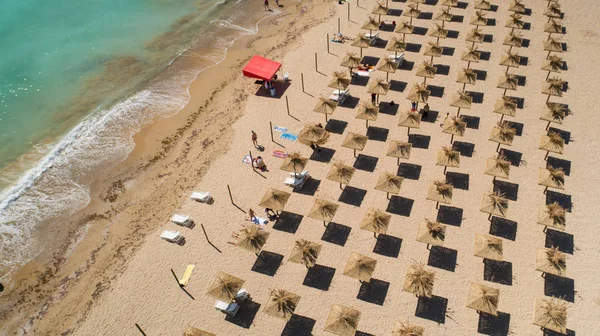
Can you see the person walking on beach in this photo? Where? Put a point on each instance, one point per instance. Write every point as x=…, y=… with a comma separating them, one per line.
x=267, y=5
x=251, y=214
x=254, y=139
x=426, y=110
x=373, y=98
x=413, y=106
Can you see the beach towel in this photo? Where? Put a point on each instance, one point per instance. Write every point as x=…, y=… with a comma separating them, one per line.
x=279, y=153
x=260, y=221
x=280, y=129
x=246, y=159
x=186, y=275
x=289, y=136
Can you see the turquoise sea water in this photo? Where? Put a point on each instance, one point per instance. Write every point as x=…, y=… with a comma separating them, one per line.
x=78, y=79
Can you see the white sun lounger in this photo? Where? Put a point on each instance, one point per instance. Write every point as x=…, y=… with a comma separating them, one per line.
x=242, y=295
x=227, y=308
x=399, y=58
x=362, y=73
x=182, y=220
x=297, y=181
x=172, y=236
x=203, y=197
x=340, y=95
x=374, y=35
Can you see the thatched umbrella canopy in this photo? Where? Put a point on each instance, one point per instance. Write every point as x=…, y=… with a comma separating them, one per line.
x=433, y=49
x=553, y=64
x=551, y=260
x=471, y=54
x=475, y=35
x=552, y=142
x=360, y=267
x=313, y=134
x=553, y=44
x=555, y=113
x=323, y=210
x=225, y=287
x=454, y=126
x=274, y=199
x=506, y=106
x=467, y=76
x=411, y=11
x=553, y=215
x=342, y=321
x=252, y=238
x=440, y=192
x=497, y=167
x=367, y=111
x=350, y=61
x=191, y=331
x=515, y=21
x=305, y=252
x=508, y=82
x=553, y=87
x=483, y=298
x=339, y=81
x=552, y=177
x=517, y=6
x=448, y=157
x=355, y=142
x=419, y=281
x=340, y=173
x=387, y=65
x=488, y=247
x=439, y=32
x=371, y=24
x=551, y=314
x=399, y=149
x=410, y=119
x=294, y=162
x=450, y=3
x=479, y=19
x=406, y=329
x=325, y=106
x=376, y=221
x=281, y=304
x=426, y=70
x=510, y=59
x=462, y=100
x=378, y=86
x=513, y=39
x=444, y=16
x=396, y=45
x=431, y=233
x=553, y=27
x=553, y=10
x=361, y=41
x=390, y=183
x=503, y=133
x=483, y=5
x=419, y=93
x=380, y=9
x=495, y=204
x=404, y=28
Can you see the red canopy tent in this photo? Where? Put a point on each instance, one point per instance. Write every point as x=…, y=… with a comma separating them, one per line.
x=261, y=68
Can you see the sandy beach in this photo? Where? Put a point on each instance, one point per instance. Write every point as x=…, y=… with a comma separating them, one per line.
x=120, y=272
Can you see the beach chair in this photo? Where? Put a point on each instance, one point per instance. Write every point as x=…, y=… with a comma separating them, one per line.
x=227, y=308
x=182, y=220
x=186, y=275
x=202, y=197
x=172, y=236
x=373, y=36
x=242, y=295
x=297, y=181
x=362, y=73
x=399, y=58
x=340, y=95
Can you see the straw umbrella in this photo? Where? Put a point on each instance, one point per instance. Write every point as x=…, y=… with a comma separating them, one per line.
x=387, y=65
x=323, y=210
x=495, y=204
x=417, y=2
x=479, y=19
x=475, y=35
x=553, y=215
x=553, y=27
x=553, y=64
x=553, y=11
x=367, y=111
x=396, y=45
x=305, y=252
x=340, y=173
x=380, y=9
x=513, y=39
x=517, y=6
x=412, y=11
x=554, y=113
x=225, y=287
x=488, y=247
x=440, y=192
x=399, y=149
x=433, y=49
x=503, y=134
x=404, y=28
x=406, y=329
x=551, y=260
x=551, y=178
x=313, y=134
x=351, y=61
x=419, y=93
x=371, y=24
x=461, y=100
x=471, y=55
x=448, y=157
x=252, y=238
x=450, y=3
x=467, y=76
x=444, y=16
x=551, y=314
x=191, y=331
x=508, y=82
x=294, y=162
x=553, y=45
x=376, y=221
x=431, y=233
x=274, y=199
x=410, y=119
x=281, y=304
x=483, y=299
x=454, y=126
x=515, y=21
x=552, y=142
x=510, y=59
x=339, y=81
x=419, y=281
x=497, y=167
x=553, y=87
x=360, y=267
x=378, y=86
x=426, y=70
x=439, y=32
x=342, y=321
x=325, y=106
x=506, y=105
x=361, y=41
x=483, y=5
x=390, y=183
x=355, y=142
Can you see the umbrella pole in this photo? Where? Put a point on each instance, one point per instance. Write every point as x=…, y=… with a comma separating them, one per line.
x=548, y=54
x=355, y=153
x=545, y=190
x=375, y=235
x=251, y=161
x=407, y=133
x=464, y=86
x=547, y=99
x=490, y=217
x=324, y=223
x=437, y=205
x=546, y=157
x=429, y=246
x=451, y=139
x=497, y=147
x=458, y=112
x=431, y=61
x=502, y=117
x=388, y=195
x=445, y=168
x=504, y=94
x=547, y=76
x=468, y=64
x=367, y=122
x=398, y=163
x=341, y=187
x=547, y=126
x=326, y=118
x=545, y=229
